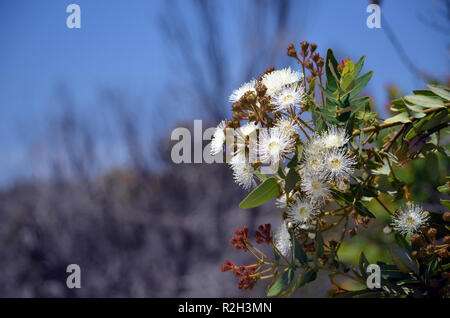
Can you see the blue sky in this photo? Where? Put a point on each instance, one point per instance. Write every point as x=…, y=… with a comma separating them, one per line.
x=120, y=46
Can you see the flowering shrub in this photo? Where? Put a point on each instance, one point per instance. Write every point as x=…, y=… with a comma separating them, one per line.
x=317, y=147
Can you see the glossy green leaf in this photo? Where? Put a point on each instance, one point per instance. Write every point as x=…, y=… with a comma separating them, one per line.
x=361, y=208
x=446, y=203
x=279, y=285
x=359, y=66
x=291, y=179
x=300, y=253
x=440, y=91
x=349, y=68
x=445, y=188
x=430, y=269
x=331, y=71
x=363, y=263
x=267, y=190
x=425, y=101
x=360, y=83
x=402, y=118
x=402, y=259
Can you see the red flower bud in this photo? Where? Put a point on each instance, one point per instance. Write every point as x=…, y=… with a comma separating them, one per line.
x=227, y=266
x=263, y=235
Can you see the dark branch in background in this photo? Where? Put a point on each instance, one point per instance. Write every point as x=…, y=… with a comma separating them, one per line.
x=404, y=57
x=208, y=63
x=401, y=51
x=433, y=22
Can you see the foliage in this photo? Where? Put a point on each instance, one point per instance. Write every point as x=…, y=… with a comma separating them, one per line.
x=361, y=159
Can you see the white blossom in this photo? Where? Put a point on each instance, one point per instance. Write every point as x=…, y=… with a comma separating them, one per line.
x=282, y=240
x=243, y=172
x=301, y=211
x=276, y=80
x=409, y=219
x=273, y=145
x=316, y=187
x=218, y=139
x=238, y=93
x=290, y=95
x=286, y=126
x=335, y=138
x=339, y=164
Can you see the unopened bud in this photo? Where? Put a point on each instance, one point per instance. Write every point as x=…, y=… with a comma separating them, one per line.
x=309, y=65
x=429, y=249
x=304, y=45
x=446, y=239
x=315, y=57
x=417, y=239
x=236, y=106
x=432, y=233
x=250, y=97
x=443, y=253
x=291, y=51
x=320, y=62
x=260, y=89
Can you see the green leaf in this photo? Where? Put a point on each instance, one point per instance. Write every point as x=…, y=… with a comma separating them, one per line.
x=291, y=179
x=363, y=263
x=360, y=83
x=279, y=285
x=440, y=91
x=445, y=188
x=363, y=210
x=293, y=163
x=391, y=271
x=277, y=257
x=267, y=190
x=402, y=117
x=306, y=277
x=300, y=253
x=341, y=197
x=402, y=259
x=359, y=103
x=349, y=68
x=430, y=269
x=358, y=66
x=290, y=275
x=424, y=92
x=446, y=203
x=347, y=82
x=425, y=101
x=319, y=123
x=331, y=71
x=402, y=242
x=365, y=293
x=318, y=245
x=435, y=119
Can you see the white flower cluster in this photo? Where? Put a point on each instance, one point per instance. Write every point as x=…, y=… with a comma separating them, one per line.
x=284, y=89
x=326, y=161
